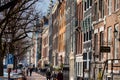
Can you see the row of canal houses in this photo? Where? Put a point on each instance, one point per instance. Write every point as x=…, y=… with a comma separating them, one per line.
x=73, y=34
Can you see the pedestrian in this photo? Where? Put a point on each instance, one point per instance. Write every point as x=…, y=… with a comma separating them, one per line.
x=31, y=69
x=60, y=75
x=36, y=69
x=27, y=71
x=24, y=77
x=48, y=74
x=23, y=71
x=54, y=75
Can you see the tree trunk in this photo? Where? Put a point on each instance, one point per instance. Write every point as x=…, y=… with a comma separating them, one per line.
x=1, y=67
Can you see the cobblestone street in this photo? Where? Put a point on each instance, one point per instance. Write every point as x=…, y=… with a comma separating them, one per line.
x=36, y=76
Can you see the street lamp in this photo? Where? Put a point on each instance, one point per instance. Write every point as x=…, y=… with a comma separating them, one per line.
x=116, y=36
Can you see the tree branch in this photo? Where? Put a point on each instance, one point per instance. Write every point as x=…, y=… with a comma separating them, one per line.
x=9, y=4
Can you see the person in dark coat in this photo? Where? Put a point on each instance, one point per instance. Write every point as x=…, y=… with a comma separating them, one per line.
x=27, y=70
x=54, y=75
x=60, y=75
x=31, y=69
x=48, y=74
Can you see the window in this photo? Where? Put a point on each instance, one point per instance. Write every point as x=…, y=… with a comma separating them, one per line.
x=79, y=68
x=116, y=45
x=85, y=5
x=117, y=4
x=101, y=38
x=87, y=36
x=85, y=60
x=90, y=2
x=109, y=35
x=101, y=41
x=90, y=55
x=100, y=5
x=101, y=8
x=73, y=9
x=85, y=65
x=109, y=6
x=90, y=35
x=84, y=37
x=84, y=56
x=95, y=11
x=88, y=22
x=109, y=40
x=96, y=43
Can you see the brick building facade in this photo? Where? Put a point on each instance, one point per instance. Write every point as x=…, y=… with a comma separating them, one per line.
x=105, y=22
x=79, y=40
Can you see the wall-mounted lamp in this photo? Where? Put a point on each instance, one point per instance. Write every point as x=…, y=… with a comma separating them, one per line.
x=116, y=33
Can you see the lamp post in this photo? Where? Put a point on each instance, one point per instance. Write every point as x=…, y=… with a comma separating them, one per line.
x=116, y=38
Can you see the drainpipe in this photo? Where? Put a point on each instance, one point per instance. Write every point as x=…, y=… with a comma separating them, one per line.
x=75, y=43
x=112, y=69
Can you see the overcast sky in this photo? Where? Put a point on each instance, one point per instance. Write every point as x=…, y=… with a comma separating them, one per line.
x=43, y=6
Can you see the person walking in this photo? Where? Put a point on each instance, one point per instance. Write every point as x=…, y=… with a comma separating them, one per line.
x=31, y=69
x=60, y=75
x=54, y=75
x=27, y=70
x=48, y=74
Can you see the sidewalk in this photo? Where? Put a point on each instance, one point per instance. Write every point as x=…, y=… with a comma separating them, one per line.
x=36, y=76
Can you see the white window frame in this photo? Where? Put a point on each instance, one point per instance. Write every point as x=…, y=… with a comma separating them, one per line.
x=85, y=7
x=116, y=5
x=89, y=4
x=79, y=68
x=109, y=40
x=73, y=9
x=116, y=45
x=109, y=7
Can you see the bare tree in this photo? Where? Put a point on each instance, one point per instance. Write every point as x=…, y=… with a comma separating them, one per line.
x=8, y=4
x=21, y=48
x=17, y=21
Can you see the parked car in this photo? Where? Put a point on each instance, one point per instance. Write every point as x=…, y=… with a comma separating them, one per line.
x=5, y=74
x=14, y=74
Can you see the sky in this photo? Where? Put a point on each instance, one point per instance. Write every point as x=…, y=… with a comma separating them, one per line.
x=43, y=6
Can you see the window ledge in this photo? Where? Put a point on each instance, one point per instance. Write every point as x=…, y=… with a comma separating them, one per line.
x=116, y=61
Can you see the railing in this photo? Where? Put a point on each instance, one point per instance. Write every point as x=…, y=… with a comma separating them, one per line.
x=106, y=65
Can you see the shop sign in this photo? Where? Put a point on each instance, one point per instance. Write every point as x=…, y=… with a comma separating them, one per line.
x=104, y=49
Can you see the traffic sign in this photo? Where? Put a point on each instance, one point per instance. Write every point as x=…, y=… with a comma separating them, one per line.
x=10, y=66
x=104, y=49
